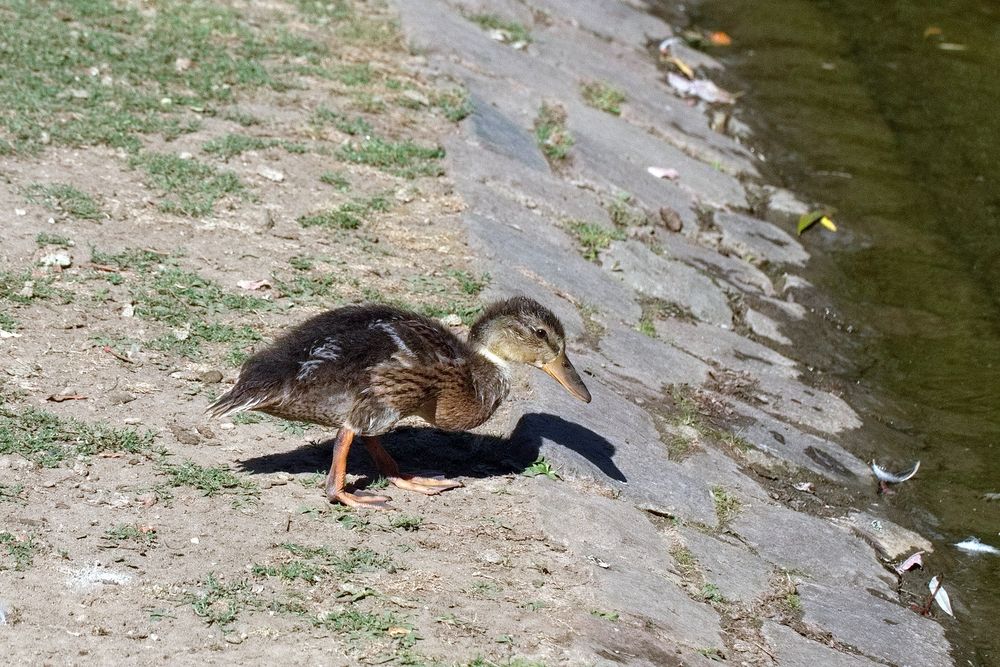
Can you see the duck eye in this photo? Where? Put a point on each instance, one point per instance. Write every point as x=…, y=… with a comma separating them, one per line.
x=541, y=333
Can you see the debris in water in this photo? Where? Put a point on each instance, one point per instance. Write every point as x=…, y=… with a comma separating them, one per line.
x=916, y=560
x=720, y=38
x=812, y=217
x=940, y=596
x=975, y=545
x=893, y=478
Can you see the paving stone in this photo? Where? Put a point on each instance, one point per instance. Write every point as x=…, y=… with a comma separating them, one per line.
x=737, y=272
x=652, y=362
x=764, y=326
x=793, y=650
x=749, y=236
x=667, y=279
x=874, y=625
x=740, y=575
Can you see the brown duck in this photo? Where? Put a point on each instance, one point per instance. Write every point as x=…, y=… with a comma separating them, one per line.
x=363, y=368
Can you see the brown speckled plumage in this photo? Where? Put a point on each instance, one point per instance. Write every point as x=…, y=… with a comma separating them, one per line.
x=363, y=368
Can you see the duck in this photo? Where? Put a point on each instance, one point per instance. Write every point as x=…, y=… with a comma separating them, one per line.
x=363, y=368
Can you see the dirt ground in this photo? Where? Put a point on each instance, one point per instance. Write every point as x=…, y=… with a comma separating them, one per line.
x=150, y=184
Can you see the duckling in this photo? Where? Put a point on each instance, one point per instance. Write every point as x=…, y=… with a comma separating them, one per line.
x=362, y=368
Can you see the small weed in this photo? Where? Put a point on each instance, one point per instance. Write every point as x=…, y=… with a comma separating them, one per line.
x=406, y=522
x=142, y=536
x=177, y=297
x=513, y=31
x=130, y=259
x=241, y=117
x=65, y=198
x=220, y=603
x=335, y=179
x=647, y=326
x=349, y=215
x=488, y=590
x=211, y=481
x=712, y=654
x=550, y=131
x=11, y=493
x=350, y=520
x=593, y=238
x=793, y=601
x=533, y=605
x=470, y=283
x=603, y=96
x=455, y=104
x=358, y=74
x=44, y=239
x=290, y=571
x=685, y=560
x=623, y=213
x=232, y=145
x=362, y=624
x=606, y=615
x=23, y=288
x=47, y=439
x=247, y=418
x=711, y=593
x=541, y=467
x=405, y=158
x=21, y=550
x=8, y=323
x=726, y=506
x=191, y=188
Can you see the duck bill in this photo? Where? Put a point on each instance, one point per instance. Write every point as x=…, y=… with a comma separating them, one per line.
x=566, y=375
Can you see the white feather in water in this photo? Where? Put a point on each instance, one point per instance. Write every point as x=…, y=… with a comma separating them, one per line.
x=940, y=596
x=974, y=545
x=894, y=478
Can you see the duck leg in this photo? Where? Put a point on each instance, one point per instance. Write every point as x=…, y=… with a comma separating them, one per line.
x=338, y=474
x=388, y=468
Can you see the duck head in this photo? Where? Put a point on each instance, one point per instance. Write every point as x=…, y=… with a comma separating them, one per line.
x=522, y=330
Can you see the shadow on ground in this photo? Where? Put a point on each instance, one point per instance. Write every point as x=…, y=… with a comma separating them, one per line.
x=461, y=454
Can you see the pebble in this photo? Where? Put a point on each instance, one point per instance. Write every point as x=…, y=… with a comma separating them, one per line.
x=185, y=436
x=417, y=97
x=671, y=219
x=270, y=174
x=451, y=320
x=490, y=557
x=211, y=377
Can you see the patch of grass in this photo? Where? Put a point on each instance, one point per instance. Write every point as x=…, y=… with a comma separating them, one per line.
x=243, y=118
x=513, y=31
x=184, y=55
x=20, y=551
x=8, y=323
x=231, y=145
x=349, y=215
x=45, y=239
x=455, y=104
x=130, y=259
x=220, y=603
x=176, y=297
x=593, y=238
x=603, y=96
x=793, y=602
x=48, y=439
x=290, y=571
x=11, y=493
x=402, y=158
x=356, y=126
x=211, y=481
x=623, y=213
x=685, y=560
x=23, y=288
x=355, y=74
x=127, y=532
x=362, y=624
x=646, y=326
x=406, y=522
x=187, y=342
x=541, y=467
x=550, y=131
x=469, y=282
x=190, y=187
x=726, y=505
x=712, y=654
x=325, y=9
x=467, y=312
x=335, y=179
x=711, y=593
x=65, y=198
x=307, y=288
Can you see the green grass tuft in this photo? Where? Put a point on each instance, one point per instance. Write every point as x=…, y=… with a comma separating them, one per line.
x=404, y=158
x=349, y=215
x=603, y=96
x=20, y=551
x=191, y=188
x=594, y=238
x=513, y=31
x=66, y=198
x=550, y=131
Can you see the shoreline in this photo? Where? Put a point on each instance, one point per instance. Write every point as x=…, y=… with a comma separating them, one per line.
x=716, y=323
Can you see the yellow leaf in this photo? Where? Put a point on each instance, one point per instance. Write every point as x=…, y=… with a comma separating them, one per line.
x=828, y=223
x=682, y=66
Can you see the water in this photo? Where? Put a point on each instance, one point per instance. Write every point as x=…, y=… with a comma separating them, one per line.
x=854, y=106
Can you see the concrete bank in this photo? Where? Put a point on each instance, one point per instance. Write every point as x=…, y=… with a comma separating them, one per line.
x=708, y=489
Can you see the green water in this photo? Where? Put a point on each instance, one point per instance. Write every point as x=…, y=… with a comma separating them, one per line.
x=855, y=107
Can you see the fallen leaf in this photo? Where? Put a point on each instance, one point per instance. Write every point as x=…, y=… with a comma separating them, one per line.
x=806, y=487
x=253, y=285
x=822, y=216
x=720, y=39
x=931, y=30
x=598, y=562
x=916, y=560
x=668, y=44
x=398, y=631
x=9, y=334
x=940, y=596
x=950, y=46
x=660, y=172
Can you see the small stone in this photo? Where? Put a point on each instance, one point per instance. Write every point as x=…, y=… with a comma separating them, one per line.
x=182, y=65
x=451, y=320
x=78, y=93
x=128, y=310
x=490, y=557
x=228, y=426
x=185, y=436
x=270, y=174
x=120, y=397
x=211, y=377
x=166, y=101
x=195, y=540
x=20, y=212
x=417, y=97
x=60, y=259
x=671, y=219
x=185, y=155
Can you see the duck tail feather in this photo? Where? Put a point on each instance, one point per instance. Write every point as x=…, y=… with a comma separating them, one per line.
x=239, y=399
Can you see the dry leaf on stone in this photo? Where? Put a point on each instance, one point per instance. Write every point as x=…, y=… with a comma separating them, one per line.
x=253, y=285
x=661, y=172
x=916, y=560
x=940, y=596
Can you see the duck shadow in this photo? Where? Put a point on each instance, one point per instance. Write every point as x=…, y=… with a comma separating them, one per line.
x=422, y=448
